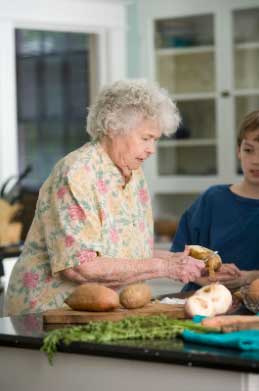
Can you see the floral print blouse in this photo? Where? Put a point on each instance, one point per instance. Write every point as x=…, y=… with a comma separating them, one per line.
x=83, y=207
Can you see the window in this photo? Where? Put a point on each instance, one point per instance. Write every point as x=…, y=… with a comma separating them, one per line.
x=53, y=92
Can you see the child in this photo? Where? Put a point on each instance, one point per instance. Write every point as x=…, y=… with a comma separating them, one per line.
x=225, y=218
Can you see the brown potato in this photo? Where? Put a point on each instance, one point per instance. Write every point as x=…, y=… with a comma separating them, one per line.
x=135, y=296
x=93, y=297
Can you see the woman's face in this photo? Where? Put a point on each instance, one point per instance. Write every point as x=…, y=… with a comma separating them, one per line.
x=129, y=151
x=248, y=154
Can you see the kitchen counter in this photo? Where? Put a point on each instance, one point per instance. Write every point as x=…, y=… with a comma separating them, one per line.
x=143, y=362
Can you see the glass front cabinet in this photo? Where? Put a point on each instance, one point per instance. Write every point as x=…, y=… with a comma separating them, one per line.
x=208, y=59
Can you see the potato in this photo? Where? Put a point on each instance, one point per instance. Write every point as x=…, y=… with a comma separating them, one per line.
x=93, y=297
x=135, y=295
x=212, y=261
x=198, y=252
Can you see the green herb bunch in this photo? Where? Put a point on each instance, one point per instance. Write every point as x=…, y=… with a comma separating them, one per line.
x=131, y=328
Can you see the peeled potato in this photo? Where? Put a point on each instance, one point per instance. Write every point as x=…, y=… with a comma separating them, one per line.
x=212, y=260
x=93, y=297
x=198, y=252
x=135, y=296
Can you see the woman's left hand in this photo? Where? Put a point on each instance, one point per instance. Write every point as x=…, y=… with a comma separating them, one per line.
x=163, y=254
x=169, y=255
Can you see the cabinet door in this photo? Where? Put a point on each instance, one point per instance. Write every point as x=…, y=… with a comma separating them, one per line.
x=246, y=63
x=185, y=65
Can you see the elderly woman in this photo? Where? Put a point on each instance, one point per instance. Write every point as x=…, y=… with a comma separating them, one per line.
x=93, y=220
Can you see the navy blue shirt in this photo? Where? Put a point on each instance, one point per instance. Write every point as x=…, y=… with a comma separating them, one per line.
x=225, y=222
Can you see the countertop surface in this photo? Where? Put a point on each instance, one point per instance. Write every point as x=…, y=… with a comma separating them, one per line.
x=27, y=332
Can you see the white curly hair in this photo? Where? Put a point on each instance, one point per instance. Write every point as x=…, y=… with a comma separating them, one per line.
x=122, y=105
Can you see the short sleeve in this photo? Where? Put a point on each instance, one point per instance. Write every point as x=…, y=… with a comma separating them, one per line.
x=72, y=224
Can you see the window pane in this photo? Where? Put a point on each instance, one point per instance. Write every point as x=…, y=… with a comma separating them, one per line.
x=53, y=93
x=77, y=42
x=26, y=88
x=184, y=73
x=28, y=42
x=184, y=32
x=54, y=42
x=180, y=161
x=185, y=54
x=198, y=118
x=246, y=48
x=75, y=134
x=79, y=95
x=52, y=83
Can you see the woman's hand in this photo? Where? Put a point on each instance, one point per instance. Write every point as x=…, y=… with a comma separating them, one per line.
x=184, y=268
x=73, y=275
x=163, y=254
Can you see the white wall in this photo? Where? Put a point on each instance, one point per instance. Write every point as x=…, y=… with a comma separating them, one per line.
x=106, y=18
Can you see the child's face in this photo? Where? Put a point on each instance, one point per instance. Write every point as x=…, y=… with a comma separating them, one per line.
x=248, y=153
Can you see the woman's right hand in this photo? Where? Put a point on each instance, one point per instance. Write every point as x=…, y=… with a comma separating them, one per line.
x=73, y=275
x=184, y=268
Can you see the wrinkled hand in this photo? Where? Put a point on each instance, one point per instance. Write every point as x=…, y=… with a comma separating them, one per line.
x=229, y=275
x=163, y=254
x=73, y=275
x=184, y=268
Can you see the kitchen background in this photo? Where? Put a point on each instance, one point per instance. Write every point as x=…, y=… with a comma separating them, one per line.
x=55, y=55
